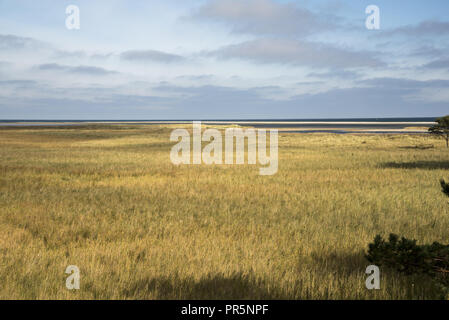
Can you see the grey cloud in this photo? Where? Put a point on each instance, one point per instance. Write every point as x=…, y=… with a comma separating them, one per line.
x=267, y=88
x=380, y=97
x=79, y=54
x=309, y=83
x=301, y=53
x=52, y=66
x=265, y=17
x=101, y=56
x=70, y=54
x=400, y=84
x=150, y=55
x=208, y=101
x=373, y=98
x=428, y=51
x=342, y=74
x=90, y=70
x=362, y=102
x=438, y=64
x=12, y=42
x=18, y=84
x=200, y=77
x=68, y=108
x=17, y=43
x=425, y=28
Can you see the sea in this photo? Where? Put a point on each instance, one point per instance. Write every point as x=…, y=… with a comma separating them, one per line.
x=329, y=125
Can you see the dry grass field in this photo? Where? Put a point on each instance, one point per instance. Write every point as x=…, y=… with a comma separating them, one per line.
x=108, y=200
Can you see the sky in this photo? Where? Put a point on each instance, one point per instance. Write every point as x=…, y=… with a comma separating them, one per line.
x=223, y=59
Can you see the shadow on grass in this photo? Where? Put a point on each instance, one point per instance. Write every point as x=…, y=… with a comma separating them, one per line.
x=344, y=266
x=237, y=286
x=429, y=165
x=419, y=147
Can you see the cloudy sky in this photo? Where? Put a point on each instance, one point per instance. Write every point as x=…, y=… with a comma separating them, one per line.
x=223, y=59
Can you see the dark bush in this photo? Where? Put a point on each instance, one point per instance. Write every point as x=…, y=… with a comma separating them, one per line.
x=445, y=187
x=406, y=256
x=441, y=128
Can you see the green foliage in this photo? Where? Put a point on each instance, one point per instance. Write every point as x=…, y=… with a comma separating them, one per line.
x=441, y=128
x=404, y=255
x=445, y=187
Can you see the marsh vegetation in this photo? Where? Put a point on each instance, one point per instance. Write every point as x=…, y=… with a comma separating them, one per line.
x=109, y=200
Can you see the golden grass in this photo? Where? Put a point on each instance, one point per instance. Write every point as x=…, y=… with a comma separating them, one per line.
x=108, y=199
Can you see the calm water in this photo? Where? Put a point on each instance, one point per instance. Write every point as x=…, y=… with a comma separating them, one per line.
x=378, y=125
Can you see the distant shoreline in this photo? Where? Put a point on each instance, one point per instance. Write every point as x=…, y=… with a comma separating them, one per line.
x=242, y=120
x=343, y=126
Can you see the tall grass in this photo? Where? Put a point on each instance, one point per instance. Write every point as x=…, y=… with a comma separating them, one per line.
x=108, y=200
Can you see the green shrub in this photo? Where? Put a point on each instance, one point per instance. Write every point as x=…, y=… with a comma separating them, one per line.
x=404, y=255
x=445, y=187
x=441, y=128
